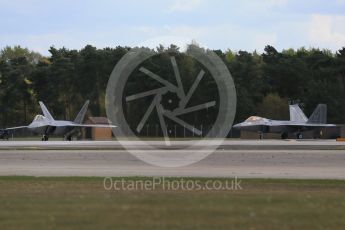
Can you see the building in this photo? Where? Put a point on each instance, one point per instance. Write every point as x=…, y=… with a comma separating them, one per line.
x=95, y=133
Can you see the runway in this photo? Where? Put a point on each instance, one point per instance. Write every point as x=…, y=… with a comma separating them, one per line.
x=244, y=159
x=229, y=144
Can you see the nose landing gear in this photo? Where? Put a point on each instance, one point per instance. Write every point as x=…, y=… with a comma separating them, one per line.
x=45, y=137
x=299, y=136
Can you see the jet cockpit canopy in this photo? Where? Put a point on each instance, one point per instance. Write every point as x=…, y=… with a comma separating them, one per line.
x=256, y=119
x=39, y=118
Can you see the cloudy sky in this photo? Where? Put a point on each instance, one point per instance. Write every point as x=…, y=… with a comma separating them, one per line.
x=217, y=24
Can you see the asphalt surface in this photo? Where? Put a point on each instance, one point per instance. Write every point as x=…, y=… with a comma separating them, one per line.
x=246, y=159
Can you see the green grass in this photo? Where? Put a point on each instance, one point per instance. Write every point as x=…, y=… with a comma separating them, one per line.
x=83, y=203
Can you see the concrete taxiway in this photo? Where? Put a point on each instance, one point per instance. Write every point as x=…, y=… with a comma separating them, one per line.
x=308, y=159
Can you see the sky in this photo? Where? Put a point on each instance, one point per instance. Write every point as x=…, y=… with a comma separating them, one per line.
x=217, y=24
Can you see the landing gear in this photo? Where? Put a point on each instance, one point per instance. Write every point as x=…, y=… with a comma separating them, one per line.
x=67, y=138
x=261, y=135
x=284, y=136
x=45, y=138
x=299, y=136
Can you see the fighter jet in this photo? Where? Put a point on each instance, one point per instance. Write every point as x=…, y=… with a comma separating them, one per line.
x=297, y=124
x=46, y=125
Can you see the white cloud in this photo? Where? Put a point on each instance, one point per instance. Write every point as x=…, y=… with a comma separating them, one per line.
x=327, y=31
x=215, y=37
x=185, y=5
x=340, y=2
x=38, y=42
x=324, y=31
x=261, y=5
x=145, y=29
x=276, y=2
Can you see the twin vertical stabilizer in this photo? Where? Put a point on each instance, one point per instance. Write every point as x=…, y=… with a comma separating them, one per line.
x=79, y=118
x=296, y=114
x=45, y=111
x=319, y=116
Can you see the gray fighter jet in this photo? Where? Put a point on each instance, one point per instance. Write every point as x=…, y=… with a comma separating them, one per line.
x=297, y=124
x=45, y=124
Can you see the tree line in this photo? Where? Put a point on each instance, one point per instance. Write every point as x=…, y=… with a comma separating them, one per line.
x=265, y=83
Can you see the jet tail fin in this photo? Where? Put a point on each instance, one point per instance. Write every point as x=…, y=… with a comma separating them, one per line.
x=81, y=115
x=45, y=111
x=296, y=114
x=319, y=115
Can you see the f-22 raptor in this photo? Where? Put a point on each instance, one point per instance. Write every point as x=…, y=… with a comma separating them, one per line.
x=46, y=125
x=297, y=124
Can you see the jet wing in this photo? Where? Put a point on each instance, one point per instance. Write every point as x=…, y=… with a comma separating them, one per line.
x=301, y=124
x=18, y=127
x=92, y=125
